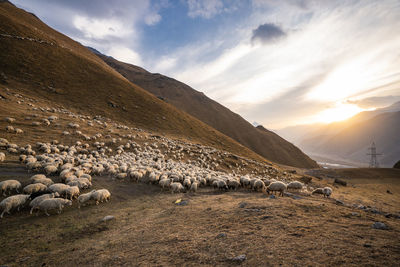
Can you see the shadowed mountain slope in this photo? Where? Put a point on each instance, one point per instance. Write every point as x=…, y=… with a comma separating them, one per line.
x=264, y=142
x=38, y=61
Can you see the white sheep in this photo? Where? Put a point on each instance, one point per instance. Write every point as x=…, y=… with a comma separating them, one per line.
x=277, y=187
x=12, y=202
x=326, y=191
x=34, y=188
x=53, y=203
x=10, y=129
x=258, y=185
x=176, y=187
x=165, y=183
x=72, y=192
x=101, y=195
x=9, y=185
x=194, y=186
x=50, y=169
x=83, y=198
x=40, y=178
x=59, y=188
x=34, y=204
x=295, y=185
x=233, y=184
x=2, y=157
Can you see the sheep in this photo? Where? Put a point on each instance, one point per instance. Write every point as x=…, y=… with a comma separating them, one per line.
x=19, y=131
x=296, y=185
x=2, y=157
x=34, y=204
x=9, y=120
x=10, y=129
x=83, y=198
x=34, y=188
x=327, y=191
x=258, y=184
x=186, y=183
x=164, y=183
x=276, y=187
x=233, y=184
x=41, y=178
x=72, y=192
x=194, y=187
x=53, y=203
x=100, y=196
x=59, y=188
x=50, y=169
x=9, y=185
x=121, y=175
x=176, y=187
x=15, y=201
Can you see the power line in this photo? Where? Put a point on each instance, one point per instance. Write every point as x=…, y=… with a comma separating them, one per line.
x=373, y=163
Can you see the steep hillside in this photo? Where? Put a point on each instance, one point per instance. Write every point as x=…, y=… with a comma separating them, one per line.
x=265, y=143
x=40, y=62
x=353, y=141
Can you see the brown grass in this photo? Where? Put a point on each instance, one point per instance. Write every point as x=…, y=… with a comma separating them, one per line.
x=150, y=230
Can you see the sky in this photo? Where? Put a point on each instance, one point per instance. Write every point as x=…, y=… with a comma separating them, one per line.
x=277, y=63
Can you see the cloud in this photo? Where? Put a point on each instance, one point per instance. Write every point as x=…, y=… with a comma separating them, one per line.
x=375, y=102
x=125, y=54
x=267, y=33
x=204, y=8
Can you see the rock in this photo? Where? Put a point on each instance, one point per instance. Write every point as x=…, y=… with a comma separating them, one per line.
x=355, y=214
x=380, y=226
x=388, y=191
x=240, y=258
x=242, y=205
x=272, y=196
x=340, y=181
x=266, y=217
x=388, y=215
x=108, y=218
x=339, y=202
x=221, y=235
x=305, y=179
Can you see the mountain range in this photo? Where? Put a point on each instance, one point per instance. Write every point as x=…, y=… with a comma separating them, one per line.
x=350, y=139
x=40, y=62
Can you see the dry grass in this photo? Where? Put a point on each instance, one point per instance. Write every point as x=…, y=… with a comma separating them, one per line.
x=150, y=230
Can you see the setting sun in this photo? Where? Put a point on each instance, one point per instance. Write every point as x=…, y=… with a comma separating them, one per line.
x=338, y=113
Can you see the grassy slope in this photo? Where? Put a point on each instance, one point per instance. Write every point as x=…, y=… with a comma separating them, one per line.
x=265, y=143
x=68, y=74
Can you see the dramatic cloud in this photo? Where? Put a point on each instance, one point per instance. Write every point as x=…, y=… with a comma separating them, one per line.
x=204, y=8
x=266, y=33
x=375, y=102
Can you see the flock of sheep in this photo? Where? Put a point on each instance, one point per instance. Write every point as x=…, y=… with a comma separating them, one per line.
x=173, y=165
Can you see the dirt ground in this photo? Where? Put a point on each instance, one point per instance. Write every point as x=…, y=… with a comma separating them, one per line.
x=212, y=229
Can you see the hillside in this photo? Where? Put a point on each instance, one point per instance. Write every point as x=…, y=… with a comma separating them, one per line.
x=353, y=141
x=41, y=63
x=265, y=143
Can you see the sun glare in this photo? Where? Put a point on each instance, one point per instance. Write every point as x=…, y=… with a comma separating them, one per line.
x=338, y=113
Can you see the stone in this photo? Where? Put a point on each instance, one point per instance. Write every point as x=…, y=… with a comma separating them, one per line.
x=242, y=205
x=380, y=226
x=340, y=181
x=108, y=218
x=272, y=196
x=240, y=258
x=221, y=235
